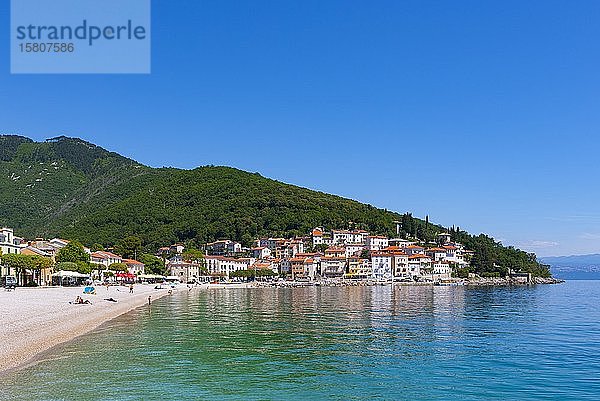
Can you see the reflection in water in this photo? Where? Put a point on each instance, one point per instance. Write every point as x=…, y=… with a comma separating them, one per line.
x=402, y=342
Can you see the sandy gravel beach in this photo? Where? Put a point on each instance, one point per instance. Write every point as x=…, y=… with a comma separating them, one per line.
x=36, y=319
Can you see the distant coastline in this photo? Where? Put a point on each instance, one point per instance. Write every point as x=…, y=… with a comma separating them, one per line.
x=574, y=267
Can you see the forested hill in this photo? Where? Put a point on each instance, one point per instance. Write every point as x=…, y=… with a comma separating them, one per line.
x=71, y=188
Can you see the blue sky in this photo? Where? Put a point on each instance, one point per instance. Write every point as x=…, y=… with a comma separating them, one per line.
x=480, y=114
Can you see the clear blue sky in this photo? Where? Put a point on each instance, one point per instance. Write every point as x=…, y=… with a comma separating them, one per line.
x=483, y=114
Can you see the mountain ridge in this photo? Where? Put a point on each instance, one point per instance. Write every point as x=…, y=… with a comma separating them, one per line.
x=72, y=188
x=573, y=260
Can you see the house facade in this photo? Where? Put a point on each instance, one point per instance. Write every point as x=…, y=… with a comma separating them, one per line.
x=187, y=272
x=223, y=266
x=134, y=267
x=333, y=266
x=381, y=264
x=223, y=247
x=8, y=242
x=376, y=242
x=105, y=258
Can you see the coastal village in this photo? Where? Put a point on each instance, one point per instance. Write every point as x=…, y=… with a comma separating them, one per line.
x=321, y=256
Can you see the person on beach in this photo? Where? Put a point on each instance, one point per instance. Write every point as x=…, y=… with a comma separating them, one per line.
x=149, y=299
x=131, y=288
x=80, y=301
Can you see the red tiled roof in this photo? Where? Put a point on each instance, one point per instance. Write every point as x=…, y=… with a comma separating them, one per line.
x=104, y=255
x=132, y=262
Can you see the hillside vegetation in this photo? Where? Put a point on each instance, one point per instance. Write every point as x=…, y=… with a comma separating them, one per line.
x=70, y=188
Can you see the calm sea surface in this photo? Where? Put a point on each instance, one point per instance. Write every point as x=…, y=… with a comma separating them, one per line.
x=413, y=343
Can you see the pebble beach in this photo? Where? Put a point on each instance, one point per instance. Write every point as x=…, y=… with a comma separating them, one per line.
x=37, y=319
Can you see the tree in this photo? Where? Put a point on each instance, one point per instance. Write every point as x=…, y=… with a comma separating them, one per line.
x=193, y=255
x=80, y=267
x=85, y=267
x=129, y=247
x=68, y=266
x=97, y=247
x=21, y=263
x=320, y=248
x=252, y=274
x=73, y=252
x=152, y=264
x=118, y=267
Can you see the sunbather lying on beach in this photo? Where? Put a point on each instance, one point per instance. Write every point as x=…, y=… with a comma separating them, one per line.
x=110, y=299
x=81, y=301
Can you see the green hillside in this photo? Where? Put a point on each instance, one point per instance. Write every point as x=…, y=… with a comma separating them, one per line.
x=68, y=187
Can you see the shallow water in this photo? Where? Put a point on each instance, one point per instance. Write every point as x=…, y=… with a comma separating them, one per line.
x=526, y=343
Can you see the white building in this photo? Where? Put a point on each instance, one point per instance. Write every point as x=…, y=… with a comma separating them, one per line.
x=436, y=254
x=335, y=251
x=348, y=237
x=317, y=236
x=414, y=250
x=105, y=258
x=418, y=264
x=261, y=252
x=400, y=242
x=441, y=270
x=400, y=261
x=332, y=266
x=454, y=254
x=224, y=266
x=294, y=247
x=376, y=242
x=134, y=266
x=58, y=243
x=223, y=247
x=187, y=272
x=381, y=264
x=353, y=249
x=177, y=248
x=8, y=243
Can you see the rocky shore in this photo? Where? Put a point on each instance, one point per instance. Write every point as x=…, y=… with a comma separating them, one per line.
x=508, y=281
x=473, y=282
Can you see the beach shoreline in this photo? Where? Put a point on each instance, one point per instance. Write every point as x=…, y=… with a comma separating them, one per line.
x=38, y=319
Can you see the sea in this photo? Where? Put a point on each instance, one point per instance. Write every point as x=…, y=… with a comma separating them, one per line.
x=334, y=343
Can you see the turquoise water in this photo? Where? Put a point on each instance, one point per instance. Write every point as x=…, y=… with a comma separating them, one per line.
x=413, y=343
